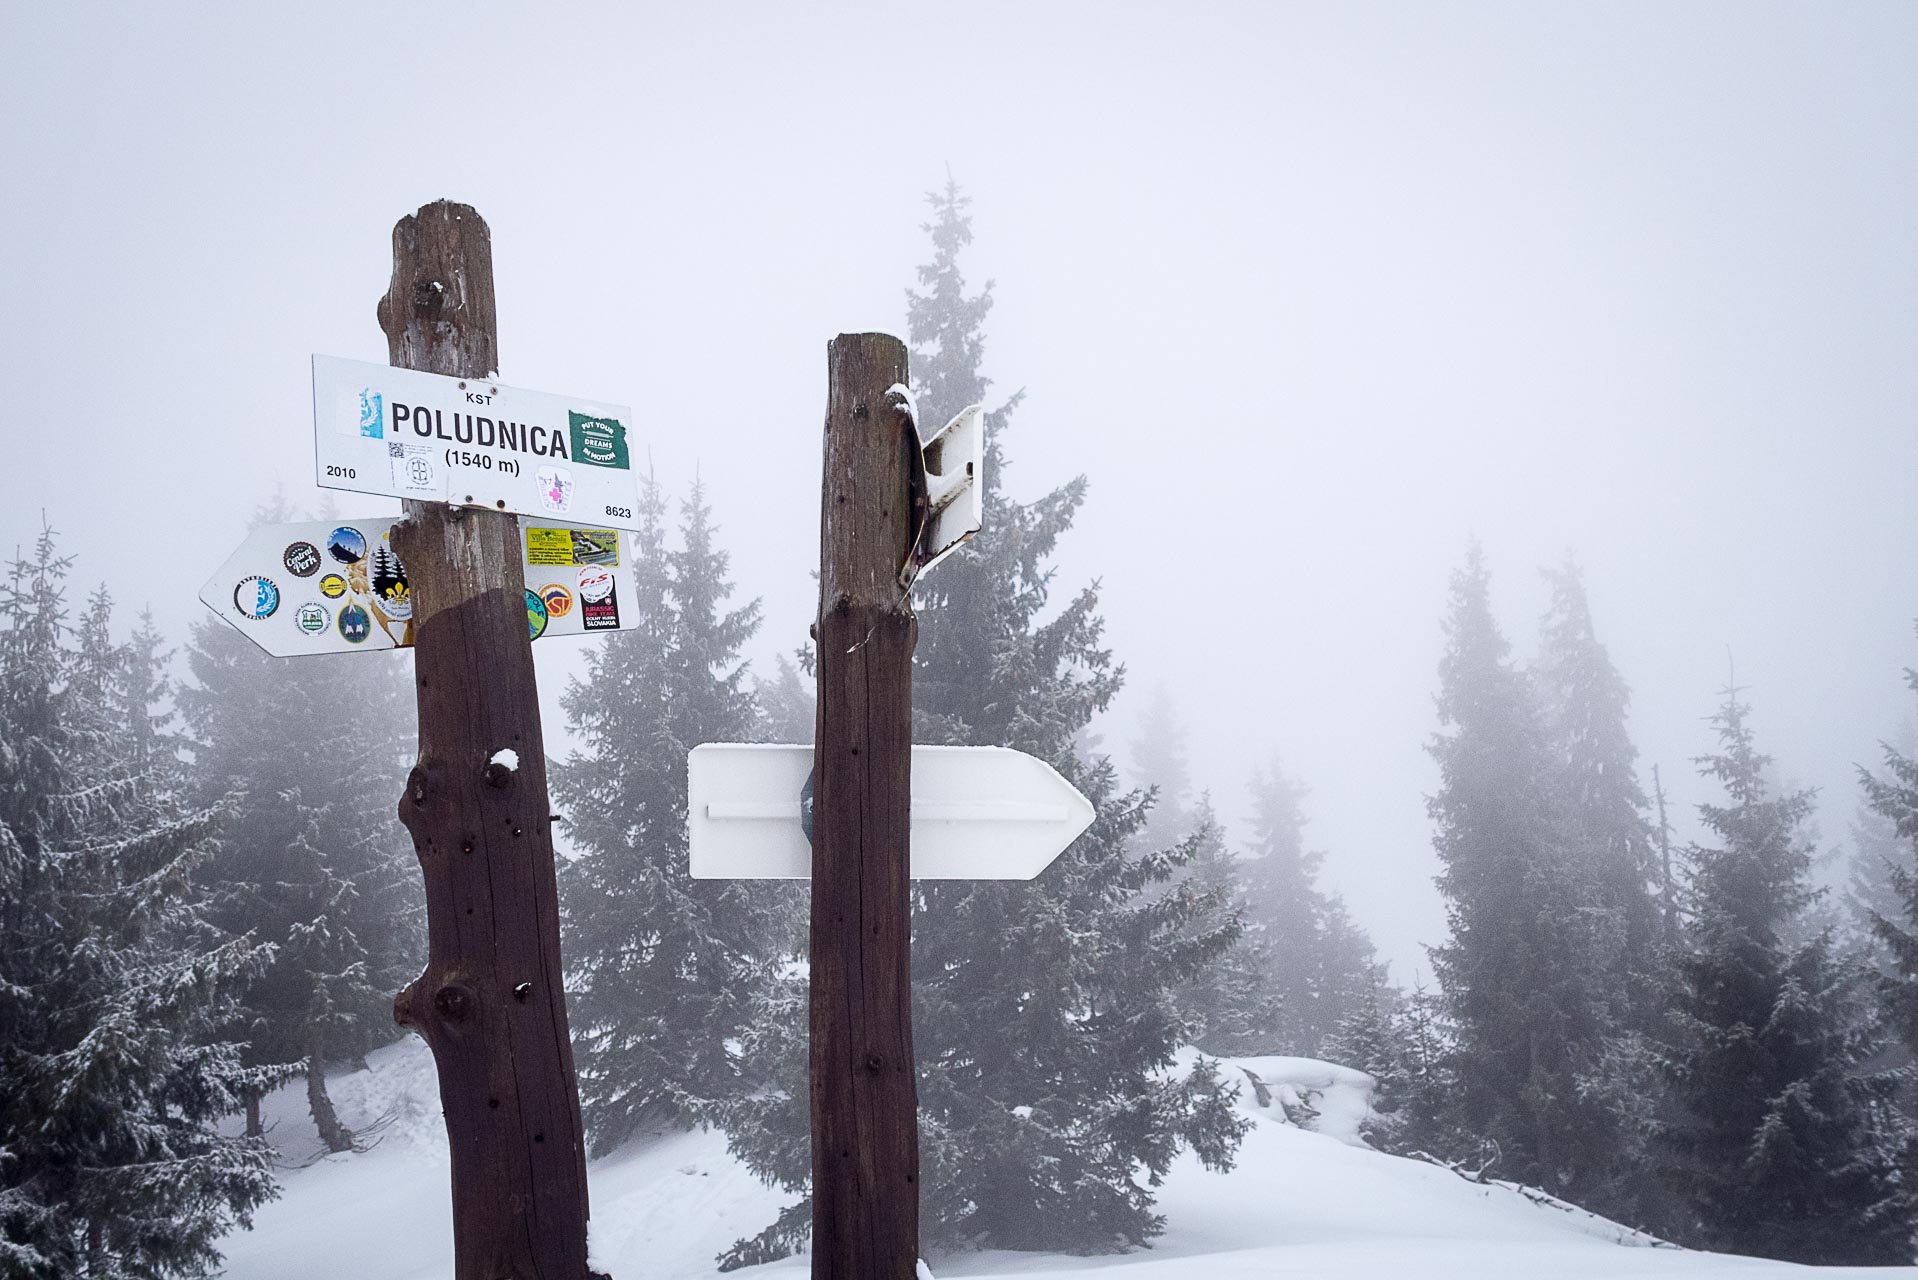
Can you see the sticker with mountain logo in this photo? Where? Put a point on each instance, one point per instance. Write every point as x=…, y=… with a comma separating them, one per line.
x=599, y=442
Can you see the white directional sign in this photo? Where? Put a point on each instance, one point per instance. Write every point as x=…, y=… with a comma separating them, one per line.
x=472, y=442
x=978, y=813
x=336, y=586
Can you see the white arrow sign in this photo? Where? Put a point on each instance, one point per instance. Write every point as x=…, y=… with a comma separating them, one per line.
x=978, y=813
x=335, y=586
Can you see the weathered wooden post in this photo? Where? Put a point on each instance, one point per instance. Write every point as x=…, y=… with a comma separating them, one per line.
x=865, y=1121
x=491, y=1001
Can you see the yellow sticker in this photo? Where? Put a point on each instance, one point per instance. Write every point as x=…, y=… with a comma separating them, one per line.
x=571, y=547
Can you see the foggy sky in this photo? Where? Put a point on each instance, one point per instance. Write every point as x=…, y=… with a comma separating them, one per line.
x=1312, y=294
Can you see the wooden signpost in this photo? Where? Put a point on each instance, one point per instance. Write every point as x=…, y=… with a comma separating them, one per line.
x=893, y=503
x=490, y=1003
x=450, y=580
x=865, y=1103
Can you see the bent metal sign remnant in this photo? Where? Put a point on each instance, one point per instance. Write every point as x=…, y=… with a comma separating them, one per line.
x=471, y=442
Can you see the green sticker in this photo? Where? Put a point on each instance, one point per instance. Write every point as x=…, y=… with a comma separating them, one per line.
x=535, y=616
x=599, y=442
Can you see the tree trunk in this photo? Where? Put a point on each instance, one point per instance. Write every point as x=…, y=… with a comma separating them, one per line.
x=335, y=1135
x=253, y=1127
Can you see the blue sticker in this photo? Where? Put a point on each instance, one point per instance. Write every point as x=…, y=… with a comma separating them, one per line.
x=355, y=624
x=256, y=597
x=372, y=414
x=346, y=544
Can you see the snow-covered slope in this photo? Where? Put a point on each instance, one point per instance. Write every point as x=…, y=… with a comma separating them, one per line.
x=1298, y=1204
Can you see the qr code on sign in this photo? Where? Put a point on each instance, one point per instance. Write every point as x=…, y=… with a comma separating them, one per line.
x=395, y=450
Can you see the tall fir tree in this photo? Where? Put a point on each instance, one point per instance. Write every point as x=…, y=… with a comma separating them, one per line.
x=1524, y=997
x=664, y=968
x=1605, y=838
x=313, y=753
x=1044, y=1018
x=1159, y=762
x=1782, y=1148
x=1600, y=807
x=113, y=987
x=1321, y=967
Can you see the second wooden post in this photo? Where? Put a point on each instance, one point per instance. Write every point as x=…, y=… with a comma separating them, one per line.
x=865, y=1114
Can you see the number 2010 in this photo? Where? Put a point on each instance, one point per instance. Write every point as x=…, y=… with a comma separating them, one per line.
x=344, y=473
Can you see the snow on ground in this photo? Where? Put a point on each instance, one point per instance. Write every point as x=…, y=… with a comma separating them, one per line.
x=1298, y=1204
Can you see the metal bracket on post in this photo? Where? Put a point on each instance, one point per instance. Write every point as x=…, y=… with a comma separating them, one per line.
x=948, y=489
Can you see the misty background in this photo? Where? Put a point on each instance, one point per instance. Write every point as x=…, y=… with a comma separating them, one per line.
x=1312, y=296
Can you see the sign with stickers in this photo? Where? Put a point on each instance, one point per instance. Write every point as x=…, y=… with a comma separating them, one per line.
x=337, y=586
x=472, y=442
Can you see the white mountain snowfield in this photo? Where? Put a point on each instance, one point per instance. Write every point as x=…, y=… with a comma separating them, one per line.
x=1297, y=1204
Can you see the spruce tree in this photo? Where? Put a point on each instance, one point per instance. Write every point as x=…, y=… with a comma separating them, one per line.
x=1600, y=808
x=113, y=987
x=1159, y=762
x=786, y=704
x=664, y=968
x=1604, y=834
x=1524, y=997
x=313, y=752
x=1320, y=965
x=1781, y=1148
x=1234, y=1003
x=1893, y=802
x=1044, y=1018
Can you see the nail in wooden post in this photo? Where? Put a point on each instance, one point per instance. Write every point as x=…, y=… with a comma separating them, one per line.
x=485, y=847
x=865, y=1119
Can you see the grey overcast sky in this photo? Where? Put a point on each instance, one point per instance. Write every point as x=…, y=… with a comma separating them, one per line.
x=1312, y=293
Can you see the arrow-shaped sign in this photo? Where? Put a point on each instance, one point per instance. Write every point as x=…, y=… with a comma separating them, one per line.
x=978, y=813
x=335, y=586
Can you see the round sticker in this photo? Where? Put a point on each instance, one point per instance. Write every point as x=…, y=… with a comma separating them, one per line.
x=355, y=624
x=312, y=619
x=301, y=559
x=535, y=616
x=386, y=579
x=256, y=597
x=595, y=584
x=332, y=586
x=346, y=544
x=558, y=600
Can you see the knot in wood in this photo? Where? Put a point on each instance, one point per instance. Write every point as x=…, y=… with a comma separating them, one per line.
x=522, y=991
x=416, y=785
x=454, y=1002
x=428, y=297
x=875, y=1063
x=499, y=775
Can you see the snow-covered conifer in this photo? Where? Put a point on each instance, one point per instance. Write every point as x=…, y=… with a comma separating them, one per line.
x=113, y=987
x=1781, y=1147
x=663, y=969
